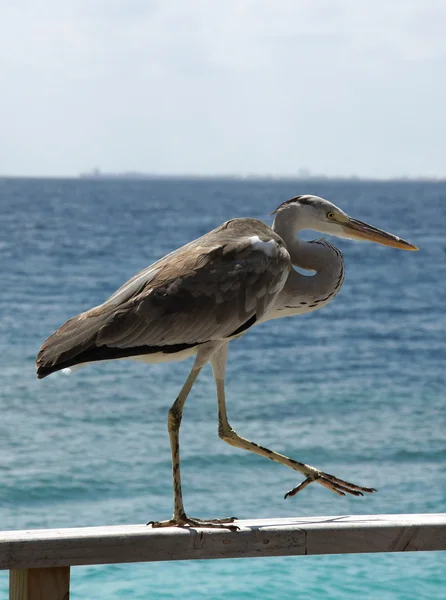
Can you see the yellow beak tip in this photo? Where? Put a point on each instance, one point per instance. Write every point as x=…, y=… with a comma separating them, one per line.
x=406, y=246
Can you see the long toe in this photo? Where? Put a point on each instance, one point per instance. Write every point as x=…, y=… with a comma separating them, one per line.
x=336, y=485
x=186, y=521
x=227, y=523
x=169, y=523
x=346, y=485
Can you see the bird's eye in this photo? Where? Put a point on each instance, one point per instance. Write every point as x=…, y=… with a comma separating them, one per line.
x=330, y=215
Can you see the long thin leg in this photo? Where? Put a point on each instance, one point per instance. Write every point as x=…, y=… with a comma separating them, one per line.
x=227, y=434
x=173, y=424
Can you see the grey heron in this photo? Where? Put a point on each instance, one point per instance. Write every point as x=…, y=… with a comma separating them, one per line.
x=194, y=301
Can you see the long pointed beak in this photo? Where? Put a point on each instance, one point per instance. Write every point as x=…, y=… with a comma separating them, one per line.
x=361, y=231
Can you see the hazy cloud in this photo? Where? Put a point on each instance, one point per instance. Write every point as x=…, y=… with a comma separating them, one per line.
x=338, y=86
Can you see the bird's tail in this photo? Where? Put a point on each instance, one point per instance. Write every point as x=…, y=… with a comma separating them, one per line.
x=73, y=343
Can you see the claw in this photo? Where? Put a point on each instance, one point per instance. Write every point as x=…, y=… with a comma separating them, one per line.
x=186, y=521
x=298, y=488
x=338, y=486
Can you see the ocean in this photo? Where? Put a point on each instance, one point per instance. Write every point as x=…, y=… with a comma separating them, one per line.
x=356, y=389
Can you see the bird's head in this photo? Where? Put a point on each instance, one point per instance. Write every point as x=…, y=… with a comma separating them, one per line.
x=318, y=214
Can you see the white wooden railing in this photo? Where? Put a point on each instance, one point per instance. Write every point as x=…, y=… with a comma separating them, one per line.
x=39, y=560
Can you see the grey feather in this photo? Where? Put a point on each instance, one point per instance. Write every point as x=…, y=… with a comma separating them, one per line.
x=201, y=292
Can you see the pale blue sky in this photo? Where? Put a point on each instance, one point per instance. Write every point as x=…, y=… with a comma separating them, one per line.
x=224, y=86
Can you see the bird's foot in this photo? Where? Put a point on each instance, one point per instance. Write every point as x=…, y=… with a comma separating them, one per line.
x=185, y=521
x=338, y=486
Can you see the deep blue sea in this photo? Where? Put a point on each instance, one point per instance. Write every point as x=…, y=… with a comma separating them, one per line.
x=356, y=389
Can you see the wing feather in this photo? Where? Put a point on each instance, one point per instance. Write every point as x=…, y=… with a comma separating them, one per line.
x=204, y=291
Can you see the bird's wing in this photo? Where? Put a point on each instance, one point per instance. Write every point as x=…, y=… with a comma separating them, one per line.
x=211, y=289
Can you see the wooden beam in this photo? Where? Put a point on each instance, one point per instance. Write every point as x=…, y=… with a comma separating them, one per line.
x=39, y=584
x=264, y=537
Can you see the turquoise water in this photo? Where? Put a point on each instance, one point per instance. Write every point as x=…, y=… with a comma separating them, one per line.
x=356, y=389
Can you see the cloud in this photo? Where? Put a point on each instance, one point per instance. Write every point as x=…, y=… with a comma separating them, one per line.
x=235, y=85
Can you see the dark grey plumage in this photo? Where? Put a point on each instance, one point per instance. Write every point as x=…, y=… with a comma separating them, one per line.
x=211, y=289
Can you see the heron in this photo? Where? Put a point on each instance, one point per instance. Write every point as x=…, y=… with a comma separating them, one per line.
x=195, y=300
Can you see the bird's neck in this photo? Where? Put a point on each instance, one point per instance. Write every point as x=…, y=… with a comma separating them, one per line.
x=304, y=293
